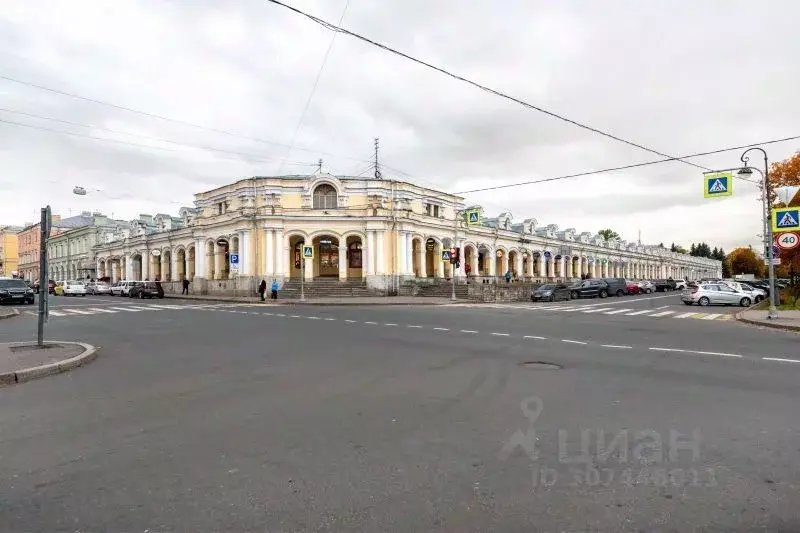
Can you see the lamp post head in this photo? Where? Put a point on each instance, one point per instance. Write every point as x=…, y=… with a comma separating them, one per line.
x=745, y=172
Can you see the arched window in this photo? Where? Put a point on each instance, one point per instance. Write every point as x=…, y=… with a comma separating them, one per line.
x=325, y=197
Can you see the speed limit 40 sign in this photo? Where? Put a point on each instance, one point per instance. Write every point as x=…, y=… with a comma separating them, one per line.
x=787, y=241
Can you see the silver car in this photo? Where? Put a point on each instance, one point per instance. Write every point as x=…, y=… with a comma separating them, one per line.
x=98, y=287
x=755, y=293
x=716, y=294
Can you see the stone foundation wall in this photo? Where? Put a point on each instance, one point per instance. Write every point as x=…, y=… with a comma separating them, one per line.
x=501, y=292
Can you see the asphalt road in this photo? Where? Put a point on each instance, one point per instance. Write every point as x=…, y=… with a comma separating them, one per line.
x=254, y=418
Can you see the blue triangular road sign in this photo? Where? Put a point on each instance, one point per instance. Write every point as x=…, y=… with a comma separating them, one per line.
x=718, y=187
x=787, y=221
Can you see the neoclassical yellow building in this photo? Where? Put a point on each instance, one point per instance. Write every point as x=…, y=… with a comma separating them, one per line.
x=375, y=232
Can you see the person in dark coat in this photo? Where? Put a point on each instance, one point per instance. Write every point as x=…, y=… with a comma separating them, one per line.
x=185, y=286
x=262, y=288
x=159, y=288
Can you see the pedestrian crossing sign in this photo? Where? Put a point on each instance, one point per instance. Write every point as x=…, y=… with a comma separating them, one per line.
x=718, y=184
x=473, y=217
x=308, y=252
x=785, y=219
x=446, y=256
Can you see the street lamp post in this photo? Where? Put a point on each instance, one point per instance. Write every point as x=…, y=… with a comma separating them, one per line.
x=767, y=208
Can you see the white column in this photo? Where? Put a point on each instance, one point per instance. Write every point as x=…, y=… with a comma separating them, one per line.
x=280, y=257
x=568, y=268
x=438, y=264
x=342, y=262
x=593, y=268
x=129, y=267
x=401, y=253
x=460, y=271
x=199, y=260
x=518, y=265
x=380, y=262
x=541, y=272
x=491, y=256
x=561, y=263
x=244, y=253
x=269, y=255
x=423, y=268
x=145, y=264
x=551, y=267
x=409, y=254
x=369, y=253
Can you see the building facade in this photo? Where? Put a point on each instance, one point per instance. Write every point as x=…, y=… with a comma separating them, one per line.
x=9, y=251
x=70, y=254
x=382, y=232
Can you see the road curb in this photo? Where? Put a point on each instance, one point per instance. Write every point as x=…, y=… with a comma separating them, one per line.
x=14, y=312
x=27, y=374
x=764, y=323
x=386, y=302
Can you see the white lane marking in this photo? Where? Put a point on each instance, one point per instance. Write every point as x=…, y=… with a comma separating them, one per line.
x=663, y=313
x=500, y=334
x=639, y=312
x=350, y=321
x=268, y=314
x=578, y=308
x=389, y=324
x=295, y=316
x=616, y=346
x=780, y=359
x=441, y=329
x=617, y=311
x=373, y=323
x=534, y=337
x=312, y=317
x=330, y=319
x=572, y=342
x=54, y=313
x=468, y=331
x=279, y=314
x=715, y=353
x=254, y=313
x=99, y=310
x=162, y=306
x=126, y=309
x=597, y=310
x=711, y=316
x=684, y=315
x=78, y=311
x=414, y=327
x=666, y=349
x=144, y=308
x=662, y=307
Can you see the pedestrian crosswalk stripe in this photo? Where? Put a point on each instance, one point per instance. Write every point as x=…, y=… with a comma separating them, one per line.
x=639, y=312
x=597, y=310
x=144, y=308
x=684, y=315
x=78, y=311
x=162, y=306
x=56, y=313
x=712, y=316
x=130, y=310
x=616, y=312
x=663, y=313
x=100, y=310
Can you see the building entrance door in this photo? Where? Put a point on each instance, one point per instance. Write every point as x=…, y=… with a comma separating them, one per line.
x=328, y=257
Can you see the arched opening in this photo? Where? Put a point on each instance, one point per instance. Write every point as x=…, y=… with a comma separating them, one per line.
x=210, y=266
x=431, y=247
x=355, y=257
x=417, y=257
x=500, y=261
x=447, y=266
x=513, y=257
x=180, y=264
x=155, y=265
x=484, y=260
x=190, y=264
x=166, y=266
x=325, y=197
x=559, y=267
x=537, y=264
x=326, y=256
x=470, y=261
x=222, y=248
x=136, y=267
x=295, y=256
x=101, y=269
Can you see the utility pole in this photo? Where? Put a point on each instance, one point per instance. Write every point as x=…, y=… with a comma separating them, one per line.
x=44, y=289
x=378, y=174
x=319, y=166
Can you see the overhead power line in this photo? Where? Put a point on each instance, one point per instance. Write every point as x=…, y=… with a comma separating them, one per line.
x=626, y=167
x=253, y=157
x=495, y=92
x=313, y=88
x=167, y=119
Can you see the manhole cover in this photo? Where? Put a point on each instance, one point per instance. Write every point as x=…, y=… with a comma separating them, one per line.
x=542, y=365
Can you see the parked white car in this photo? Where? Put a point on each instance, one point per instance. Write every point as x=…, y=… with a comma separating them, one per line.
x=755, y=293
x=122, y=288
x=680, y=284
x=715, y=294
x=74, y=288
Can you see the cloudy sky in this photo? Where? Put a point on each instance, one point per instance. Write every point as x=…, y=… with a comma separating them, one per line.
x=678, y=76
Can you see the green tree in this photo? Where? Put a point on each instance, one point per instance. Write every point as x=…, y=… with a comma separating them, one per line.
x=608, y=234
x=693, y=250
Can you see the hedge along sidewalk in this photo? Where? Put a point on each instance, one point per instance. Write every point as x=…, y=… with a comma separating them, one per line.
x=24, y=361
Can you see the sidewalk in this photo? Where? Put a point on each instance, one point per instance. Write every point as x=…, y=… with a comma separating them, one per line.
x=367, y=300
x=787, y=320
x=24, y=361
x=8, y=312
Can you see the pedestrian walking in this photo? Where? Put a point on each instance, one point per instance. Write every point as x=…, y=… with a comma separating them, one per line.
x=274, y=289
x=185, y=286
x=508, y=276
x=262, y=288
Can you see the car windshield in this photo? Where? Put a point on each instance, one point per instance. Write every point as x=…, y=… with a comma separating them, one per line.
x=548, y=287
x=13, y=284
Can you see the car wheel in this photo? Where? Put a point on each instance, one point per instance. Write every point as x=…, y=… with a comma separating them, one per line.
x=620, y=293
x=574, y=295
x=552, y=298
x=687, y=303
x=704, y=301
x=141, y=296
x=745, y=302
x=603, y=294
x=759, y=298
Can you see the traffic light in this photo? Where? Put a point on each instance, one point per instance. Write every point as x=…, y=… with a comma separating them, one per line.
x=455, y=256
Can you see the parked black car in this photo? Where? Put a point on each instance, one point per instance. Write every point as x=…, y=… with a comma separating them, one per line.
x=15, y=291
x=144, y=289
x=589, y=288
x=551, y=292
x=617, y=286
x=664, y=285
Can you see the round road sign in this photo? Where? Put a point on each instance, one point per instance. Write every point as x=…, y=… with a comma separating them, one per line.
x=788, y=240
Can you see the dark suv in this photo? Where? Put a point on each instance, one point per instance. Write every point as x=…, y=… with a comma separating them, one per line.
x=15, y=291
x=589, y=288
x=144, y=289
x=617, y=286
